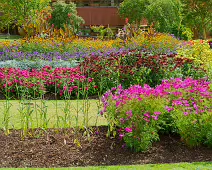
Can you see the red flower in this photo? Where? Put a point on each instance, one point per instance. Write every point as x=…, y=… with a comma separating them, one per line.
x=126, y=20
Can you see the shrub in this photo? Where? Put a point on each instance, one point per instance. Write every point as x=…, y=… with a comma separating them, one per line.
x=199, y=51
x=138, y=113
x=66, y=14
x=190, y=107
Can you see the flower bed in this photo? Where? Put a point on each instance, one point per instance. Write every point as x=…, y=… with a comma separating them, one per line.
x=35, y=83
x=180, y=106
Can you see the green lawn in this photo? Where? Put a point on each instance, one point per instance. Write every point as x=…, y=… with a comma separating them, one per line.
x=178, y=166
x=9, y=38
x=76, y=106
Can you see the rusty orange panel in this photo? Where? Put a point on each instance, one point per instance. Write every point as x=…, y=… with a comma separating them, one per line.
x=100, y=16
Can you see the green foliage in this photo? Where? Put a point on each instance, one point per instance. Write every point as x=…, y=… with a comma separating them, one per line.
x=164, y=14
x=198, y=15
x=137, y=6
x=103, y=32
x=17, y=11
x=200, y=52
x=66, y=14
x=137, y=120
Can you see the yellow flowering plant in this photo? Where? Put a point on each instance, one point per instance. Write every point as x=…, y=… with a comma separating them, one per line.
x=200, y=52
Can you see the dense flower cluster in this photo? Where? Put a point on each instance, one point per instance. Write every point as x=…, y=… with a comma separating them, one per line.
x=35, y=82
x=138, y=108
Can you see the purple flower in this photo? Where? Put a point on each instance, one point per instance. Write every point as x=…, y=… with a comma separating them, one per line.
x=129, y=113
x=121, y=136
x=186, y=113
x=147, y=114
x=155, y=117
x=169, y=109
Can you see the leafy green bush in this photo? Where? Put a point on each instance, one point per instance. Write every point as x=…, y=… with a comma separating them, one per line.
x=199, y=51
x=66, y=14
x=138, y=113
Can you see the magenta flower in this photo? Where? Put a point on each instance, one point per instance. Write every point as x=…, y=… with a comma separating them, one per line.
x=147, y=114
x=128, y=130
x=157, y=113
x=121, y=136
x=155, y=117
x=186, y=113
x=147, y=120
x=169, y=109
x=129, y=114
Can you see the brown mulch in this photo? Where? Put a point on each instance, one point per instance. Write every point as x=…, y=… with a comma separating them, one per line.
x=57, y=148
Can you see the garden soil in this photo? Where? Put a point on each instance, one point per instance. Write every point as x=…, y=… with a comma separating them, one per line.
x=66, y=148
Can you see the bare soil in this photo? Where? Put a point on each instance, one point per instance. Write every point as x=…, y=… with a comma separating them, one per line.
x=59, y=148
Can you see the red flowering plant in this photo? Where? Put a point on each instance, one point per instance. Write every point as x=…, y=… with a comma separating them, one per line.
x=129, y=67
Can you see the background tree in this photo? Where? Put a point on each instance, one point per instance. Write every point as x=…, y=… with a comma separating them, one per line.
x=134, y=10
x=165, y=14
x=17, y=11
x=198, y=15
x=66, y=14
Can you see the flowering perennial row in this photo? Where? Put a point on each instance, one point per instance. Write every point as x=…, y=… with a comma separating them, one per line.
x=35, y=83
x=176, y=105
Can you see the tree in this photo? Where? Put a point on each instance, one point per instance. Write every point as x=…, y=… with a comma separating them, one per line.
x=17, y=11
x=134, y=10
x=66, y=14
x=165, y=14
x=162, y=13
x=198, y=15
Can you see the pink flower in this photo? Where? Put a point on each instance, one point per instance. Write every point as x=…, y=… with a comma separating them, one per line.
x=129, y=113
x=64, y=88
x=146, y=119
x=186, y=113
x=157, y=113
x=121, y=136
x=155, y=117
x=128, y=130
x=147, y=114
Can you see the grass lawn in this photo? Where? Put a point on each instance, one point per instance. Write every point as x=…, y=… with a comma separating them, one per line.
x=90, y=111
x=178, y=166
x=10, y=38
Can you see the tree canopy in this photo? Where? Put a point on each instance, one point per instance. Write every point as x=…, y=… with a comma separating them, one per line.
x=17, y=11
x=167, y=15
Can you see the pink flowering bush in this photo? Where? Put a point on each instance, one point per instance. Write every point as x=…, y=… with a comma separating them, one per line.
x=190, y=106
x=34, y=83
x=138, y=113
